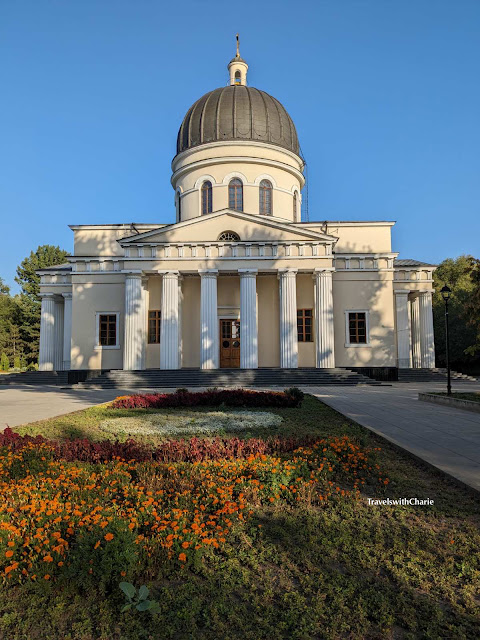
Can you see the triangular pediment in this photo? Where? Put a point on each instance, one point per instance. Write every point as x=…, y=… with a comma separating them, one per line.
x=250, y=228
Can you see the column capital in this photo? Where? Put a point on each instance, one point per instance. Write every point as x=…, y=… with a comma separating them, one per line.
x=205, y=273
x=133, y=274
x=401, y=293
x=324, y=272
x=245, y=273
x=68, y=295
x=47, y=296
x=167, y=273
x=287, y=273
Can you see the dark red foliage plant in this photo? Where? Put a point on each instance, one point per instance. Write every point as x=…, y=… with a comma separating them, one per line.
x=191, y=450
x=290, y=398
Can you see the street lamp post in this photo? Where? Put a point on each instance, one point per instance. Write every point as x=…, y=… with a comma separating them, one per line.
x=446, y=293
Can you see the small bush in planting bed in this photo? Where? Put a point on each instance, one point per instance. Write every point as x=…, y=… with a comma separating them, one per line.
x=211, y=398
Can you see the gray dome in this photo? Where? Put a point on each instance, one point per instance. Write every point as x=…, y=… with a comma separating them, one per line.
x=237, y=112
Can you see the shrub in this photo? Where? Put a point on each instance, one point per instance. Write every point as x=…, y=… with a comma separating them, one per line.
x=296, y=393
x=17, y=363
x=209, y=398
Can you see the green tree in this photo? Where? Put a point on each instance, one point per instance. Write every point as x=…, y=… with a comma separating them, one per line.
x=16, y=362
x=4, y=362
x=29, y=303
x=457, y=273
x=473, y=307
x=6, y=314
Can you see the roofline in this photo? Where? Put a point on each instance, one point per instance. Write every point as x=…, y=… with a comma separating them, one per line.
x=122, y=225
x=348, y=223
x=251, y=217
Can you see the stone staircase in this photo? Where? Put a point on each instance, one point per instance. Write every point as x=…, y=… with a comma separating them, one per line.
x=431, y=375
x=264, y=377
x=35, y=378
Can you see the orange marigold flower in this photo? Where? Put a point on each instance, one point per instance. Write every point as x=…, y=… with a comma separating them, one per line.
x=185, y=545
x=108, y=536
x=9, y=553
x=11, y=543
x=48, y=558
x=46, y=577
x=60, y=564
x=97, y=544
x=182, y=557
x=123, y=573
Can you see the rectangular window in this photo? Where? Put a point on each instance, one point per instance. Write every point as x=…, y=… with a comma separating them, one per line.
x=357, y=327
x=154, y=327
x=107, y=330
x=304, y=325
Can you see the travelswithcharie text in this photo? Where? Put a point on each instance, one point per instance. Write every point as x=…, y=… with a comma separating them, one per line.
x=401, y=501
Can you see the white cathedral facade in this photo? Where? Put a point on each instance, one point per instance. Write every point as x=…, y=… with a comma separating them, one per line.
x=238, y=280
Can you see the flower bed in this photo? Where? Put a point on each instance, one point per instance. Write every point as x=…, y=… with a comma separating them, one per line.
x=171, y=450
x=211, y=398
x=61, y=520
x=182, y=423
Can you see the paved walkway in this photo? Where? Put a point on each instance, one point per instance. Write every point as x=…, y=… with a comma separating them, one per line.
x=445, y=437
x=20, y=404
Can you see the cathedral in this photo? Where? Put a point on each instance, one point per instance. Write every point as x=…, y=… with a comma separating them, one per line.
x=239, y=280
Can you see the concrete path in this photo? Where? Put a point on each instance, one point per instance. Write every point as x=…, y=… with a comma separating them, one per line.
x=445, y=437
x=20, y=404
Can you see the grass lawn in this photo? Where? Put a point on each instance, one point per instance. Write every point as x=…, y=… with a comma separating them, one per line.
x=473, y=396
x=296, y=570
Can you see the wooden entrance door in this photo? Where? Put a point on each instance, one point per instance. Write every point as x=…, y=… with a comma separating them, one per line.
x=229, y=344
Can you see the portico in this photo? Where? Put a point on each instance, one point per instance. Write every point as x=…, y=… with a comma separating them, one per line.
x=247, y=311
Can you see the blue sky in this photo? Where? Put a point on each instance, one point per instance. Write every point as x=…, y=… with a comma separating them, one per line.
x=385, y=96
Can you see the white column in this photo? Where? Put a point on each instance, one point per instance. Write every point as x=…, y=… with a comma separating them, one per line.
x=58, y=324
x=415, y=321
x=402, y=329
x=427, y=344
x=133, y=343
x=209, y=340
x=248, y=319
x=67, y=331
x=170, y=325
x=46, y=357
x=324, y=325
x=288, y=318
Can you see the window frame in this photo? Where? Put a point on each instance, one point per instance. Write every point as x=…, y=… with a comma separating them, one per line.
x=206, y=195
x=263, y=198
x=303, y=317
x=158, y=320
x=237, y=187
x=347, y=328
x=107, y=347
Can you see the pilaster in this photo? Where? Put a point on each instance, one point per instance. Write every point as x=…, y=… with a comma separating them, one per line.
x=427, y=345
x=170, y=324
x=134, y=347
x=415, y=323
x=402, y=329
x=46, y=357
x=67, y=331
x=209, y=339
x=248, y=319
x=288, y=318
x=324, y=324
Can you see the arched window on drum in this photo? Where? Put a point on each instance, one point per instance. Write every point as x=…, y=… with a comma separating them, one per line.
x=206, y=197
x=235, y=195
x=266, y=197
